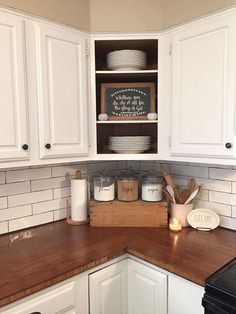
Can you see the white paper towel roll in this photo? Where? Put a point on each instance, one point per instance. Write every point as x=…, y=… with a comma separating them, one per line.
x=79, y=202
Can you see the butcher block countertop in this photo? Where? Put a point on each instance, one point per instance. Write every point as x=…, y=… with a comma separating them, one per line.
x=39, y=257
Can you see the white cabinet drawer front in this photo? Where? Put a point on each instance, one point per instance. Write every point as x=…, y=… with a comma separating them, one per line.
x=61, y=73
x=13, y=105
x=59, y=300
x=203, y=89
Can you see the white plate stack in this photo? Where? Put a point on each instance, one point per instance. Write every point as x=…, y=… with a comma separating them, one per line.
x=126, y=60
x=129, y=144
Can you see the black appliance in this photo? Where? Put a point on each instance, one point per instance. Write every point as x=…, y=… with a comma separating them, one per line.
x=220, y=291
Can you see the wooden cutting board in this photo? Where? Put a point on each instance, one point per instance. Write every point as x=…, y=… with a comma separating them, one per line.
x=128, y=214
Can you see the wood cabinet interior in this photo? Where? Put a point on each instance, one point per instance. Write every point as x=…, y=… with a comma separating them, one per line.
x=102, y=47
x=104, y=75
x=123, y=129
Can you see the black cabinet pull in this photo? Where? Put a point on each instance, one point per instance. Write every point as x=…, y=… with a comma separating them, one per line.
x=35, y=313
x=25, y=147
x=48, y=146
x=228, y=145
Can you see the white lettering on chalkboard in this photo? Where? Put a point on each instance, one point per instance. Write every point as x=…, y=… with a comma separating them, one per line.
x=125, y=105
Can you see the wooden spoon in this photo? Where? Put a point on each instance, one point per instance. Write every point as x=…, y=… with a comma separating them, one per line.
x=167, y=177
x=193, y=194
x=171, y=192
x=168, y=195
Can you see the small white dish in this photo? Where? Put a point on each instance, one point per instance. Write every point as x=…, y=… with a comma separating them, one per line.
x=203, y=219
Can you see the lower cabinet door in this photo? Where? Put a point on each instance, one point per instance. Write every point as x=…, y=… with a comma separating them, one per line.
x=108, y=290
x=184, y=296
x=147, y=289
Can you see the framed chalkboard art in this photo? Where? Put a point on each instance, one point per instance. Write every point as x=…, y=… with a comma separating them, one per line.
x=127, y=101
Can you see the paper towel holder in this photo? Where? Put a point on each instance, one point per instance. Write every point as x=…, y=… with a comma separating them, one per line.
x=68, y=219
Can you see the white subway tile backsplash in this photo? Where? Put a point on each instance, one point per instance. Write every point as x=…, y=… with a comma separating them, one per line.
x=3, y=227
x=220, y=209
x=234, y=187
x=147, y=166
x=180, y=180
x=68, y=170
x=101, y=167
x=191, y=171
x=203, y=195
x=14, y=188
x=36, y=195
x=234, y=211
x=2, y=177
x=133, y=164
x=15, y=212
x=228, y=222
x=28, y=174
x=59, y=214
x=49, y=205
x=29, y=198
x=222, y=174
x=214, y=185
x=121, y=165
x=223, y=198
x=3, y=202
x=46, y=184
x=30, y=221
x=61, y=192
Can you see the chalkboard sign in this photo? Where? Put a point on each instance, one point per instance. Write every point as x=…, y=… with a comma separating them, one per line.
x=127, y=101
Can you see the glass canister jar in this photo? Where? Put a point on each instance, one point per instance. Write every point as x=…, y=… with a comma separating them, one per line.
x=127, y=188
x=104, y=188
x=151, y=188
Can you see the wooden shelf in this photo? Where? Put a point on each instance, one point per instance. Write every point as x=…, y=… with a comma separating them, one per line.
x=110, y=72
x=127, y=121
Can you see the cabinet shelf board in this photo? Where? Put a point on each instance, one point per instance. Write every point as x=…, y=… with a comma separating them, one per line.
x=127, y=121
x=127, y=72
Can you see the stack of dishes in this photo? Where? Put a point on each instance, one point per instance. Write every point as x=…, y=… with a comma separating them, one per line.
x=129, y=144
x=126, y=60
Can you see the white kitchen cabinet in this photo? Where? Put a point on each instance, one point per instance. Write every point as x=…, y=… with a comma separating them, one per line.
x=61, y=87
x=203, y=88
x=14, y=138
x=108, y=290
x=184, y=296
x=59, y=300
x=128, y=287
x=147, y=289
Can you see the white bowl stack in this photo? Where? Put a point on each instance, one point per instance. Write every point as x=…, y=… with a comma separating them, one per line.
x=126, y=60
x=129, y=144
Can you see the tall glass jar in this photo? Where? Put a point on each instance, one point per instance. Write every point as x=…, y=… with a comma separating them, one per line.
x=151, y=188
x=127, y=188
x=104, y=188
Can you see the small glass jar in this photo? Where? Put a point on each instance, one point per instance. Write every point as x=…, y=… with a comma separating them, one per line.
x=104, y=188
x=151, y=188
x=127, y=188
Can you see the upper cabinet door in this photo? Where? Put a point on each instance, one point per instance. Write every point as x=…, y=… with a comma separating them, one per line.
x=62, y=99
x=13, y=105
x=203, y=85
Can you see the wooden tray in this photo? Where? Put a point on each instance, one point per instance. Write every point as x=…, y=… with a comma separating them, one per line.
x=128, y=214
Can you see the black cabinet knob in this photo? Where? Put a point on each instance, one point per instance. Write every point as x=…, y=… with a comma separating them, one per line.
x=25, y=147
x=48, y=146
x=228, y=145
